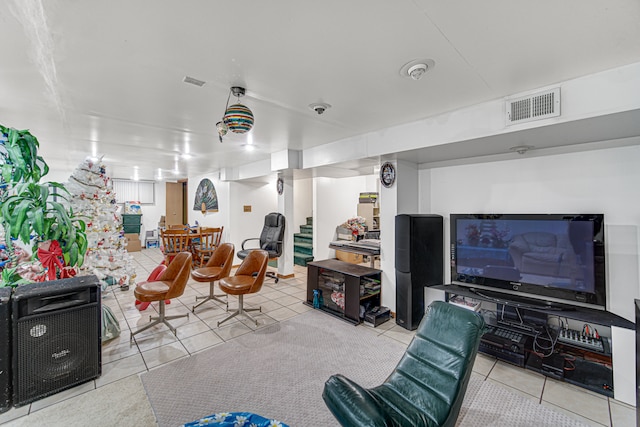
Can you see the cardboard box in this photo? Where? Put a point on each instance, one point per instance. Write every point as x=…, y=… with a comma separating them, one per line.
x=349, y=257
x=134, y=246
x=133, y=242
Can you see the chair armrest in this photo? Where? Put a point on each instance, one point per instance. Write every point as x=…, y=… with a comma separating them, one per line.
x=351, y=404
x=248, y=240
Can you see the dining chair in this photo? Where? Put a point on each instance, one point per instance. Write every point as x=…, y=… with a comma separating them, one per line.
x=174, y=242
x=177, y=227
x=209, y=240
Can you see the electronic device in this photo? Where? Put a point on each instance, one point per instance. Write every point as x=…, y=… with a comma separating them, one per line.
x=419, y=262
x=547, y=259
x=587, y=341
x=56, y=336
x=551, y=366
x=504, y=344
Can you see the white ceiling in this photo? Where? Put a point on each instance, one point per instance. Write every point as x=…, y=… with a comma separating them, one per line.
x=106, y=77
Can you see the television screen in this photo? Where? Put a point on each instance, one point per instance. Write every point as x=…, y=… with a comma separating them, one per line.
x=556, y=257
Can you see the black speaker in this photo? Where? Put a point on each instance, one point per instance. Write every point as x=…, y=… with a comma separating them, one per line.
x=419, y=262
x=56, y=337
x=5, y=349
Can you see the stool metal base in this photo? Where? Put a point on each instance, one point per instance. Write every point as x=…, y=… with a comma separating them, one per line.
x=241, y=311
x=162, y=318
x=211, y=296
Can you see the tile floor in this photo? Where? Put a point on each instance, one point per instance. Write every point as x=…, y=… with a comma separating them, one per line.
x=158, y=346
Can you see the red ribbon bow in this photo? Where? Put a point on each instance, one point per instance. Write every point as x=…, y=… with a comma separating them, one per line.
x=51, y=258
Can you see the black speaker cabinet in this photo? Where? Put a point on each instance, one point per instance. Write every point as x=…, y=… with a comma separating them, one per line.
x=5, y=349
x=56, y=337
x=419, y=263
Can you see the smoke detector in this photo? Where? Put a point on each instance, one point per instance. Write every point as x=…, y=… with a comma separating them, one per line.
x=417, y=68
x=521, y=149
x=319, y=107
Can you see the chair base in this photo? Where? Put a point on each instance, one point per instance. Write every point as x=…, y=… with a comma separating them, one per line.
x=211, y=296
x=272, y=275
x=241, y=311
x=162, y=318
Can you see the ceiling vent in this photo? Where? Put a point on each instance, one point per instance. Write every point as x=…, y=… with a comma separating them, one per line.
x=193, y=81
x=537, y=106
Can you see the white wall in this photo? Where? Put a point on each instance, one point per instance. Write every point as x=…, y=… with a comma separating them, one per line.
x=302, y=202
x=334, y=201
x=600, y=181
x=263, y=199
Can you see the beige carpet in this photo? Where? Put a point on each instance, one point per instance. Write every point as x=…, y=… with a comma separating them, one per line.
x=279, y=372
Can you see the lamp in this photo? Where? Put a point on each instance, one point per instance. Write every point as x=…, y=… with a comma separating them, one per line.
x=238, y=118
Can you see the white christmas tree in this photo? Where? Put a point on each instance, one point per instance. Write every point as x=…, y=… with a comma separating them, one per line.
x=94, y=200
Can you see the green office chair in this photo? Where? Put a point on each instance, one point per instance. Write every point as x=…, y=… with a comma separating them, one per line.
x=428, y=385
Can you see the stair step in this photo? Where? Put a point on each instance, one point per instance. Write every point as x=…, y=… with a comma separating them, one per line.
x=301, y=259
x=303, y=248
x=306, y=229
x=309, y=220
x=302, y=238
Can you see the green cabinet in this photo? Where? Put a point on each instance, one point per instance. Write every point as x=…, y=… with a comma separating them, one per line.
x=131, y=223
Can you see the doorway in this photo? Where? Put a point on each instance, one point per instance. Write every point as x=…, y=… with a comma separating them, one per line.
x=176, y=202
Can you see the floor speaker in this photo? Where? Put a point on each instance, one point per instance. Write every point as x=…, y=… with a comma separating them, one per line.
x=419, y=262
x=5, y=349
x=56, y=337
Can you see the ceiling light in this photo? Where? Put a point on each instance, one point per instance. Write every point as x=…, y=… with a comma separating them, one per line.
x=417, y=68
x=238, y=118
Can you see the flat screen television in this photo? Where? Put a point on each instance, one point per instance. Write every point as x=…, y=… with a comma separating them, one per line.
x=550, y=259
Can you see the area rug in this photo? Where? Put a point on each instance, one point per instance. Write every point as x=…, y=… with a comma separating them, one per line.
x=279, y=372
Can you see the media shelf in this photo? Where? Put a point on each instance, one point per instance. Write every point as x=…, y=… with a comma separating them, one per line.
x=582, y=314
x=580, y=357
x=344, y=288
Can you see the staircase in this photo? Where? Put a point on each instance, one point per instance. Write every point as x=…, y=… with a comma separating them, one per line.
x=303, y=244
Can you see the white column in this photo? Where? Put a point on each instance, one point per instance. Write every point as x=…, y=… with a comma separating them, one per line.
x=285, y=207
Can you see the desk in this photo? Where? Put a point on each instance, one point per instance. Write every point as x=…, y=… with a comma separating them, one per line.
x=360, y=248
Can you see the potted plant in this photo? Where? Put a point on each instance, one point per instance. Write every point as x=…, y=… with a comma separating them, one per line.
x=30, y=209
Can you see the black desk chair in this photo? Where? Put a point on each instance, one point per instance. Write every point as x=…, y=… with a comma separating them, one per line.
x=427, y=387
x=270, y=240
